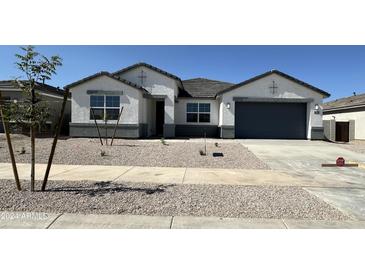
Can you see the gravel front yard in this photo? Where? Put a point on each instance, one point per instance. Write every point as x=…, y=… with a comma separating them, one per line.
x=170, y=200
x=356, y=146
x=83, y=151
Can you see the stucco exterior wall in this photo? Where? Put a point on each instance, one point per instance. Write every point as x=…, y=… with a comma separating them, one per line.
x=357, y=116
x=130, y=100
x=260, y=89
x=180, y=111
x=157, y=84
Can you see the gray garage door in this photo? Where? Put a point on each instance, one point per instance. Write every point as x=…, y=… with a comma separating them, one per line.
x=270, y=120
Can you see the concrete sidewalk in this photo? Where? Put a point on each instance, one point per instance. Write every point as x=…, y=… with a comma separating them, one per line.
x=167, y=175
x=37, y=220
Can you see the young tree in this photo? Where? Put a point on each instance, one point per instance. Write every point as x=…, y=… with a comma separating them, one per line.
x=32, y=112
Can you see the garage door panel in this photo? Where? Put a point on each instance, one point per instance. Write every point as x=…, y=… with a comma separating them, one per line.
x=270, y=120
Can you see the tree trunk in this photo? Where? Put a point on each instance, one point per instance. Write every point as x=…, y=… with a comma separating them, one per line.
x=55, y=139
x=10, y=147
x=106, y=132
x=32, y=170
x=116, y=125
x=96, y=125
x=32, y=144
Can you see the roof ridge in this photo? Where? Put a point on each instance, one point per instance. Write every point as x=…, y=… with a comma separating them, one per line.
x=282, y=74
x=38, y=85
x=344, y=98
x=202, y=78
x=106, y=73
x=148, y=66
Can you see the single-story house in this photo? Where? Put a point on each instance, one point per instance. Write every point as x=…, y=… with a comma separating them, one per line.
x=158, y=103
x=51, y=94
x=344, y=119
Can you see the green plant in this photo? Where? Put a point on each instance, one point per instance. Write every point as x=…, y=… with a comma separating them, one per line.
x=102, y=153
x=216, y=144
x=31, y=111
x=163, y=141
x=202, y=153
x=22, y=151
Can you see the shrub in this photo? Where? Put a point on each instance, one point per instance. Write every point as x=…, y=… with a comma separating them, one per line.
x=202, y=153
x=102, y=153
x=163, y=141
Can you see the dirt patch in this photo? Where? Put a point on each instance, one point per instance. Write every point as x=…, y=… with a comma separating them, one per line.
x=356, y=146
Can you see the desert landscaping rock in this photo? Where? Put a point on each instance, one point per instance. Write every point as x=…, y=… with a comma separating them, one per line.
x=169, y=200
x=355, y=145
x=83, y=151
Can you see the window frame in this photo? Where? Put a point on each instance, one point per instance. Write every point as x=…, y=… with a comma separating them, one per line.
x=198, y=112
x=104, y=107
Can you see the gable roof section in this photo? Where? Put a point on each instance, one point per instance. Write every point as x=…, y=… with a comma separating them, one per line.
x=282, y=74
x=345, y=103
x=150, y=67
x=9, y=85
x=105, y=73
x=202, y=88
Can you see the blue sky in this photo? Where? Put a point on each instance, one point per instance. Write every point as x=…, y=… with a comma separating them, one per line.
x=339, y=70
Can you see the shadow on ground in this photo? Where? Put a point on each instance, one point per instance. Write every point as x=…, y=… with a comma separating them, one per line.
x=103, y=188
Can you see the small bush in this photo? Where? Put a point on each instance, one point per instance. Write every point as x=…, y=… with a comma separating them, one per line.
x=202, y=153
x=216, y=144
x=163, y=141
x=22, y=151
x=102, y=153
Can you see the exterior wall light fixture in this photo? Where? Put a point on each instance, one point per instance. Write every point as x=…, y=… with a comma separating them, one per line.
x=228, y=105
x=316, y=109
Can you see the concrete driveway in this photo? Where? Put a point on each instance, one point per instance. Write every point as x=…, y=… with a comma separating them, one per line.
x=343, y=187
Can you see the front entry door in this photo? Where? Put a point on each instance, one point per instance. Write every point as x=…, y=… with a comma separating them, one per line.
x=160, y=117
x=342, y=131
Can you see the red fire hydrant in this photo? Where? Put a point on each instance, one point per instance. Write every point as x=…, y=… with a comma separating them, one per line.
x=340, y=161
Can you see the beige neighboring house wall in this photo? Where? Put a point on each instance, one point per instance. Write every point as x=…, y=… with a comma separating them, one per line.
x=357, y=116
x=348, y=109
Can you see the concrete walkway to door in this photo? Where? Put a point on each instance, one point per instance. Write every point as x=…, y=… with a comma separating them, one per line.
x=302, y=159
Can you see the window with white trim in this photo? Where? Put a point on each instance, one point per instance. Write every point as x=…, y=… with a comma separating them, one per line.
x=198, y=112
x=104, y=106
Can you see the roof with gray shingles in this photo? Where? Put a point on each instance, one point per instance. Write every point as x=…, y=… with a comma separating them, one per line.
x=11, y=85
x=203, y=88
x=282, y=74
x=347, y=102
x=105, y=73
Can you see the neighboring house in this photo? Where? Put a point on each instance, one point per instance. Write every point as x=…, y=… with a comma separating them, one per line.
x=52, y=95
x=344, y=119
x=158, y=103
